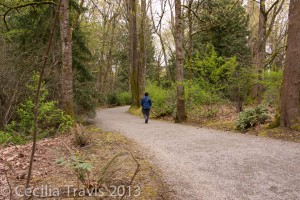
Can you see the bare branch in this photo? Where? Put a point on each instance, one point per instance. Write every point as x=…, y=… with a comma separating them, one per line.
x=9, y=186
x=274, y=4
x=37, y=94
x=275, y=13
x=163, y=11
x=134, y=175
x=194, y=13
x=274, y=55
x=256, y=1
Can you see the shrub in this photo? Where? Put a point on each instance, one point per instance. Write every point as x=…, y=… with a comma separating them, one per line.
x=272, y=81
x=203, y=103
x=219, y=76
x=195, y=95
x=7, y=137
x=79, y=166
x=80, y=137
x=252, y=117
x=111, y=98
x=163, y=100
x=117, y=99
x=123, y=98
x=51, y=119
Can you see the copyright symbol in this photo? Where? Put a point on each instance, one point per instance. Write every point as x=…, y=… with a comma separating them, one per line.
x=4, y=191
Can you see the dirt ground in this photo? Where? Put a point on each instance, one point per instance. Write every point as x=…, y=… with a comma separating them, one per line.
x=115, y=167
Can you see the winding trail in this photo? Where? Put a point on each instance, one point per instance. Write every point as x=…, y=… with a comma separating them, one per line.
x=213, y=165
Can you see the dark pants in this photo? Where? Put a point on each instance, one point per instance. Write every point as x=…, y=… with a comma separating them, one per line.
x=146, y=114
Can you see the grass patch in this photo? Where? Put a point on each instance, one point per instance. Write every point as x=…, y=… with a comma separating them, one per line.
x=135, y=110
x=220, y=125
x=279, y=133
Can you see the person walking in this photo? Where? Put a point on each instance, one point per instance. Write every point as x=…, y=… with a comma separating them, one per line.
x=146, y=106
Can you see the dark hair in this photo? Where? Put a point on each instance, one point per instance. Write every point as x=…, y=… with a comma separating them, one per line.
x=146, y=94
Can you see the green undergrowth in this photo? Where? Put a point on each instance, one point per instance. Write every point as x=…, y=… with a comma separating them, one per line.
x=51, y=119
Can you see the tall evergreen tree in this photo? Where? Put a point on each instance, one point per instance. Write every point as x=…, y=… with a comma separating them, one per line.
x=224, y=24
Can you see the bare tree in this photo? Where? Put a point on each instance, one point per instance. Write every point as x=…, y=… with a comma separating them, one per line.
x=180, y=114
x=108, y=16
x=290, y=103
x=158, y=31
x=264, y=30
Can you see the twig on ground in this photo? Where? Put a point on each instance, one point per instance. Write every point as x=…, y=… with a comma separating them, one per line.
x=134, y=175
x=105, y=168
x=9, y=186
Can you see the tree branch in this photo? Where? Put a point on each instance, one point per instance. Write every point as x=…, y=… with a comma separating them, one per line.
x=9, y=186
x=272, y=57
x=195, y=14
x=37, y=94
x=134, y=175
x=256, y=1
x=274, y=4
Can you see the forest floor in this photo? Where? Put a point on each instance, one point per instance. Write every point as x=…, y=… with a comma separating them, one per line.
x=202, y=163
x=117, y=162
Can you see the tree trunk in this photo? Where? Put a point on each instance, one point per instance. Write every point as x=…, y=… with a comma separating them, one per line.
x=66, y=72
x=142, y=67
x=290, y=108
x=109, y=57
x=163, y=48
x=180, y=114
x=134, y=72
x=259, y=52
x=190, y=48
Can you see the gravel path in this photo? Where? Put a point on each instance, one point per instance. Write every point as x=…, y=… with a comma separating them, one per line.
x=207, y=164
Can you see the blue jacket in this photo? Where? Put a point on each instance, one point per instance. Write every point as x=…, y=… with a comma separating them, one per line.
x=146, y=103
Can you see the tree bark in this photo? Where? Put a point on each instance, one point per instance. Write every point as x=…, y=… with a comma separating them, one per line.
x=190, y=34
x=290, y=95
x=259, y=51
x=180, y=114
x=66, y=72
x=134, y=72
x=142, y=67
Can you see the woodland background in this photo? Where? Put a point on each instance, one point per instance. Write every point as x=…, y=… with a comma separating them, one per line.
x=200, y=60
